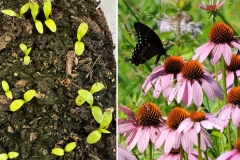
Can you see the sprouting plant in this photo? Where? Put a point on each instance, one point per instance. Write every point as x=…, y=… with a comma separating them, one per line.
x=104, y=121
x=79, y=46
x=5, y=87
x=26, y=51
x=23, y=10
x=10, y=155
x=68, y=148
x=16, y=104
x=34, y=11
x=47, y=8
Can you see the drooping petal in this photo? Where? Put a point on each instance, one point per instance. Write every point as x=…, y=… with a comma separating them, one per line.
x=208, y=90
x=181, y=91
x=216, y=53
x=125, y=128
x=225, y=112
x=127, y=111
x=236, y=44
x=133, y=138
x=227, y=53
x=197, y=93
x=227, y=155
x=235, y=116
x=187, y=123
x=206, y=52
x=161, y=138
x=167, y=82
x=197, y=127
x=143, y=140
x=186, y=143
x=187, y=97
x=230, y=79
x=157, y=89
x=202, y=49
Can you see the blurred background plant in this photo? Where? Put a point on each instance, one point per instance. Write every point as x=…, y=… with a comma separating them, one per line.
x=182, y=27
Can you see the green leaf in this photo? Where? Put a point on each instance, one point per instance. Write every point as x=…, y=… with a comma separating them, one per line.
x=51, y=25
x=94, y=136
x=29, y=95
x=28, y=51
x=96, y=87
x=9, y=94
x=9, y=12
x=26, y=60
x=79, y=100
x=39, y=26
x=3, y=156
x=103, y=130
x=97, y=113
x=23, y=47
x=24, y=8
x=47, y=8
x=5, y=86
x=16, y=104
x=12, y=155
x=107, y=118
x=70, y=146
x=79, y=48
x=34, y=11
x=58, y=151
x=86, y=95
x=82, y=30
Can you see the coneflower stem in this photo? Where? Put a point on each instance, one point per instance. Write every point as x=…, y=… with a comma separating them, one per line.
x=150, y=150
x=181, y=153
x=224, y=75
x=199, y=147
x=238, y=132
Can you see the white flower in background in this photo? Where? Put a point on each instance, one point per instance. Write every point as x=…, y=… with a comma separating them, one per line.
x=180, y=23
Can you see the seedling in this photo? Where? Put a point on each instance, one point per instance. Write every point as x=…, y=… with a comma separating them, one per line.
x=10, y=155
x=16, y=104
x=68, y=148
x=106, y=119
x=23, y=10
x=26, y=51
x=34, y=11
x=47, y=8
x=79, y=46
x=5, y=87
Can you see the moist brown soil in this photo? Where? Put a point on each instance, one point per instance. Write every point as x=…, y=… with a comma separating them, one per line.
x=52, y=119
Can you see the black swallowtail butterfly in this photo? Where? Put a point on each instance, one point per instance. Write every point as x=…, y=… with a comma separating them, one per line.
x=149, y=45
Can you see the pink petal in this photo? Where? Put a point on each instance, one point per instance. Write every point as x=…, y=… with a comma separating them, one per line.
x=186, y=143
x=157, y=89
x=206, y=52
x=222, y=3
x=216, y=53
x=206, y=124
x=125, y=128
x=133, y=138
x=127, y=111
x=167, y=82
x=185, y=124
x=228, y=154
x=161, y=138
x=230, y=79
x=197, y=93
x=235, y=116
x=187, y=97
x=201, y=49
x=197, y=127
x=225, y=112
x=143, y=140
x=227, y=53
x=236, y=44
x=181, y=91
x=208, y=90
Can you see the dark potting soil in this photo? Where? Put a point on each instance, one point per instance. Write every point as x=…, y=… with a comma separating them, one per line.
x=52, y=119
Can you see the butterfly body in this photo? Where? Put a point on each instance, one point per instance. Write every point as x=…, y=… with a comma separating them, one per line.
x=149, y=45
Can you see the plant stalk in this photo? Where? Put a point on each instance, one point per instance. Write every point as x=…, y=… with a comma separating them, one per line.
x=150, y=150
x=199, y=147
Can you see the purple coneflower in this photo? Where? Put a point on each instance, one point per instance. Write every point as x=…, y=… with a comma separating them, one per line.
x=124, y=154
x=190, y=83
x=175, y=155
x=211, y=7
x=231, y=110
x=233, y=154
x=145, y=126
x=199, y=120
x=221, y=42
x=163, y=76
x=172, y=138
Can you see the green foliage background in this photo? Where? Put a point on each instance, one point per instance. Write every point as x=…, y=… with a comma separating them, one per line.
x=131, y=77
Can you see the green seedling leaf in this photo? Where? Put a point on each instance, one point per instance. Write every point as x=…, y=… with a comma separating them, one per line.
x=79, y=100
x=5, y=86
x=82, y=30
x=96, y=87
x=107, y=118
x=47, y=8
x=29, y=95
x=39, y=26
x=103, y=130
x=58, y=151
x=23, y=47
x=24, y=8
x=94, y=136
x=16, y=104
x=34, y=10
x=12, y=155
x=28, y=51
x=51, y=25
x=97, y=113
x=9, y=12
x=79, y=48
x=86, y=95
x=70, y=146
x=9, y=95
x=26, y=60
x=3, y=156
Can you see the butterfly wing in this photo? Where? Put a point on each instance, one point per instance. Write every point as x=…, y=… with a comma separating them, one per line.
x=149, y=45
